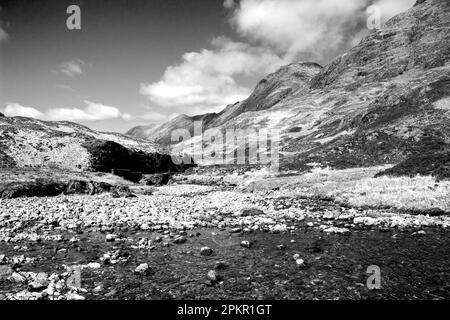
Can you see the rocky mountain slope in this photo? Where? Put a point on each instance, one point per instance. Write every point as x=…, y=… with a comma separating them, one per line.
x=386, y=100
x=31, y=143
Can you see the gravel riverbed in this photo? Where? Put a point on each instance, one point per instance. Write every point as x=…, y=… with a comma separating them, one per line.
x=192, y=241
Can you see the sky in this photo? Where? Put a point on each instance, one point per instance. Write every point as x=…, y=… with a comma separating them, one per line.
x=136, y=62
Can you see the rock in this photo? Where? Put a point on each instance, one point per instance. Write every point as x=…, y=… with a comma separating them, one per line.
x=336, y=230
x=111, y=237
x=94, y=265
x=279, y=228
x=98, y=289
x=220, y=265
x=145, y=227
x=246, y=244
x=300, y=263
x=111, y=293
x=281, y=247
x=296, y=256
x=39, y=283
x=213, y=276
x=5, y=272
x=159, y=179
x=17, y=277
x=143, y=270
x=418, y=233
x=235, y=230
x=328, y=216
x=74, y=296
x=206, y=251
x=250, y=212
x=180, y=240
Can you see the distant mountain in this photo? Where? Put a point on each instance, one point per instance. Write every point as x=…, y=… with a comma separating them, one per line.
x=385, y=100
x=31, y=143
x=141, y=132
x=269, y=92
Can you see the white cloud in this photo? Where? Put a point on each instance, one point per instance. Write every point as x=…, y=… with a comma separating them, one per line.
x=16, y=110
x=72, y=68
x=204, y=81
x=92, y=112
x=315, y=29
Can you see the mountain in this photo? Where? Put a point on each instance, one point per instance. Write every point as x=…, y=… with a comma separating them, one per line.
x=269, y=91
x=141, y=132
x=384, y=101
x=31, y=143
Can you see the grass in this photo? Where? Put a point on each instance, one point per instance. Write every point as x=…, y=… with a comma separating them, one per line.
x=358, y=188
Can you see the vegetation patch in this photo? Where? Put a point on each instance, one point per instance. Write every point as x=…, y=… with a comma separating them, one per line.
x=436, y=164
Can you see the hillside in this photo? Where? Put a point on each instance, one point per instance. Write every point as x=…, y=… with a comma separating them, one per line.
x=31, y=143
x=384, y=101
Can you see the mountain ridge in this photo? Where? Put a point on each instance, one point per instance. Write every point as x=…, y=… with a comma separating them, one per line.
x=381, y=102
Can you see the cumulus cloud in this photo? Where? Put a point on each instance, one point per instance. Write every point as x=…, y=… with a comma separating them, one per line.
x=16, y=110
x=91, y=112
x=204, y=81
x=312, y=29
x=72, y=68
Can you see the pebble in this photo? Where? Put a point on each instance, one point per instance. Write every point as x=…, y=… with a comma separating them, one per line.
x=39, y=283
x=143, y=270
x=246, y=244
x=74, y=296
x=180, y=240
x=5, y=271
x=111, y=237
x=220, y=265
x=94, y=265
x=300, y=263
x=206, y=251
x=213, y=276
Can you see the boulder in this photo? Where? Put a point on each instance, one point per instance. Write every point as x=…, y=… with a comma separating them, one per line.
x=158, y=179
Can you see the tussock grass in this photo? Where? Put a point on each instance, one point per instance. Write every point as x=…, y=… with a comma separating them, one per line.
x=358, y=188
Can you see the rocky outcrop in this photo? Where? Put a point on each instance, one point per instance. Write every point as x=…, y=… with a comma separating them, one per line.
x=31, y=143
x=108, y=155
